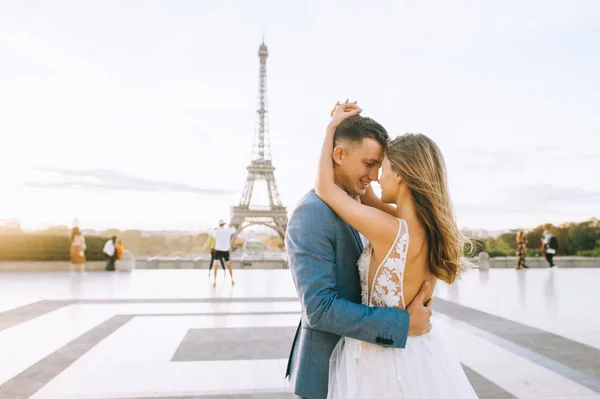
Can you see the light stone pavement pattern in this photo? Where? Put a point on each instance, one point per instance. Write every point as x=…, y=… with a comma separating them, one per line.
x=170, y=334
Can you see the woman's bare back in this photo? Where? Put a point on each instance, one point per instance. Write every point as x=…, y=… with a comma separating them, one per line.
x=392, y=276
x=417, y=269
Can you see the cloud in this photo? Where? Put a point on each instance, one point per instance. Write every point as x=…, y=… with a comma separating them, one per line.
x=524, y=162
x=502, y=156
x=539, y=198
x=102, y=179
x=579, y=158
x=490, y=208
x=558, y=195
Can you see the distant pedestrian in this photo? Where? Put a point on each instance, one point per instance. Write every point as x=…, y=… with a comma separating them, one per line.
x=223, y=246
x=110, y=249
x=77, y=251
x=521, y=251
x=549, y=247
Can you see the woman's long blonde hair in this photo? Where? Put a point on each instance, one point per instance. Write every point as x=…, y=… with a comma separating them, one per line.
x=420, y=163
x=519, y=236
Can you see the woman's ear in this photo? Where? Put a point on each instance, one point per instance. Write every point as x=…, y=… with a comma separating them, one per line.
x=338, y=155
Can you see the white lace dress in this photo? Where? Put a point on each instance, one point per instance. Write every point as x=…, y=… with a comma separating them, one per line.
x=426, y=369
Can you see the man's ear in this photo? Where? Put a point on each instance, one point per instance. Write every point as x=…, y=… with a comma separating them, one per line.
x=338, y=154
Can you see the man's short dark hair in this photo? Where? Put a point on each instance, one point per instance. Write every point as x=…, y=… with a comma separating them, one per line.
x=356, y=128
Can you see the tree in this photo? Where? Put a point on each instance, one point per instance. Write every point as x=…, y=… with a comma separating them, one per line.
x=201, y=243
x=534, y=238
x=273, y=242
x=154, y=245
x=11, y=226
x=510, y=239
x=180, y=244
x=581, y=239
x=132, y=239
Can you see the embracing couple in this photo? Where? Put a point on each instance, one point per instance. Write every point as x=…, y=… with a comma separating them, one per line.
x=365, y=268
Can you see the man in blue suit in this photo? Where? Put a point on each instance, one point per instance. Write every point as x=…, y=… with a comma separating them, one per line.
x=323, y=251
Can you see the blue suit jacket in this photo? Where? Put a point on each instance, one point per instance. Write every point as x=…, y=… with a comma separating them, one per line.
x=323, y=252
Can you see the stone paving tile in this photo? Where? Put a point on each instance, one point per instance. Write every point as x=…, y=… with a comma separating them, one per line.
x=35, y=377
x=575, y=355
x=485, y=388
x=553, y=351
x=21, y=314
x=235, y=344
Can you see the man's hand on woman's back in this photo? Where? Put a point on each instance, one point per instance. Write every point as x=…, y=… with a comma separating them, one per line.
x=420, y=313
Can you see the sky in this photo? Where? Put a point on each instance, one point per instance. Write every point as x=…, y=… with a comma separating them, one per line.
x=142, y=114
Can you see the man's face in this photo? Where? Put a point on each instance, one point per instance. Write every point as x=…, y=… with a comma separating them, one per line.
x=360, y=166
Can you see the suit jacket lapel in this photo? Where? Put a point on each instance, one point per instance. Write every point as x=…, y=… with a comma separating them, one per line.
x=354, y=232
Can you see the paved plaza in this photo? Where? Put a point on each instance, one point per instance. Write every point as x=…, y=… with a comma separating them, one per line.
x=169, y=333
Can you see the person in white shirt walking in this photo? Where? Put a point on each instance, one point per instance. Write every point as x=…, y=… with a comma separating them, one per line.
x=223, y=246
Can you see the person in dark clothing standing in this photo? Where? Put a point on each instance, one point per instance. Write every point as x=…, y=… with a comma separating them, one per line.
x=110, y=249
x=549, y=247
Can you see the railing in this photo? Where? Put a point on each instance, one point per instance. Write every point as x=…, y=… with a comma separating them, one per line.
x=275, y=260
x=259, y=208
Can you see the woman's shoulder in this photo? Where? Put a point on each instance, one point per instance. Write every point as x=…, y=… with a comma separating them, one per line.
x=404, y=227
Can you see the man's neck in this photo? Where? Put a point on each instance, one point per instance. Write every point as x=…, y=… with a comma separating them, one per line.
x=338, y=183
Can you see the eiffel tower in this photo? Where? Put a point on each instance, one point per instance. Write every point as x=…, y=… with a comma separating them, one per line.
x=273, y=215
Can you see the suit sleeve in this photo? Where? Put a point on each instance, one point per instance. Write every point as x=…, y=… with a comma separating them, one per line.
x=310, y=244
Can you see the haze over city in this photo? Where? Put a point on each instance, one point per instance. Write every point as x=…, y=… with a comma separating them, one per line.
x=151, y=125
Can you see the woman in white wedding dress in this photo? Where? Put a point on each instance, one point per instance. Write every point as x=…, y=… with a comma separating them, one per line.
x=413, y=238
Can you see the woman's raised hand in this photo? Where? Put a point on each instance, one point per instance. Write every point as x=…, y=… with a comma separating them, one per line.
x=343, y=111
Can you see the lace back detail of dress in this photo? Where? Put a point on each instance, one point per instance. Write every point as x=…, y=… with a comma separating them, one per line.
x=386, y=289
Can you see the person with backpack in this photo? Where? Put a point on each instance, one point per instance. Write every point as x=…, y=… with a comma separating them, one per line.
x=549, y=246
